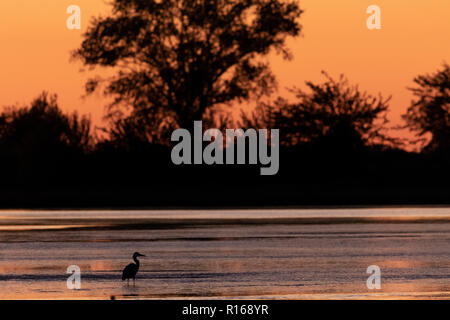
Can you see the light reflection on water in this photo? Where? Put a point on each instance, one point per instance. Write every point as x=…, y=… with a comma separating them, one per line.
x=227, y=253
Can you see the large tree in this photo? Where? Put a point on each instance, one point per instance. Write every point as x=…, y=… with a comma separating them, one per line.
x=177, y=59
x=429, y=113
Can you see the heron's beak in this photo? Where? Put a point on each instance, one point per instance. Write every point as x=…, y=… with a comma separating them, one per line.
x=142, y=255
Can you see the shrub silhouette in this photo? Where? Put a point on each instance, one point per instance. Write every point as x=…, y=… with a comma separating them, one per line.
x=37, y=140
x=429, y=113
x=333, y=114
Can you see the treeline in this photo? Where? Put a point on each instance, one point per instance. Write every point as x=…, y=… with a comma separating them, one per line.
x=335, y=149
x=174, y=62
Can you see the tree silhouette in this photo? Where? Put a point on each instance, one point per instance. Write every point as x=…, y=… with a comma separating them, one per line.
x=429, y=113
x=37, y=139
x=334, y=114
x=176, y=59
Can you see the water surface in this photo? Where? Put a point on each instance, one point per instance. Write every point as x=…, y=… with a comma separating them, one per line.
x=286, y=254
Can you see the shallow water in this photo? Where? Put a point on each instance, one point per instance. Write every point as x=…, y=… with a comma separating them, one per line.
x=293, y=254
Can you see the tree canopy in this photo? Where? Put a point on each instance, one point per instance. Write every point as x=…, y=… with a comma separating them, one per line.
x=176, y=59
x=40, y=143
x=334, y=112
x=429, y=113
x=44, y=127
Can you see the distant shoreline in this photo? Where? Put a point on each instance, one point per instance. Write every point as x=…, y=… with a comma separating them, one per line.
x=168, y=197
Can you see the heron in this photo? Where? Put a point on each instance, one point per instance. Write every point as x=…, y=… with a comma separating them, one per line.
x=132, y=269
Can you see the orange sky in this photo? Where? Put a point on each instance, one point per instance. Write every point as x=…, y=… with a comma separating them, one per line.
x=35, y=47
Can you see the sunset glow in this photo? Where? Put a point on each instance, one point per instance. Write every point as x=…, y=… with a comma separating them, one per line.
x=36, y=48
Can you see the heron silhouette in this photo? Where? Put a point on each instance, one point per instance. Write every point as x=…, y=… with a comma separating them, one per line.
x=132, y=269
